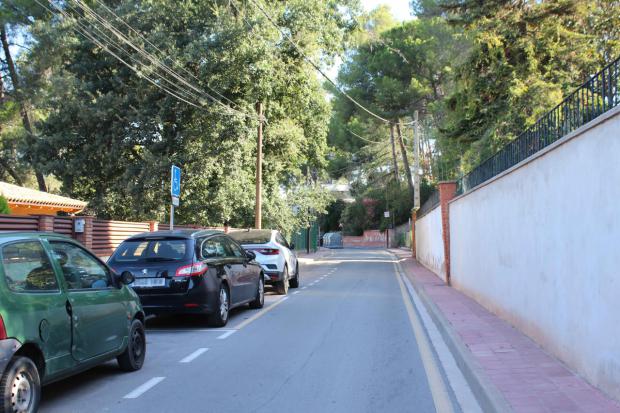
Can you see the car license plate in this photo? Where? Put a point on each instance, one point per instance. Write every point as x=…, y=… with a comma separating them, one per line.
x=149, y=282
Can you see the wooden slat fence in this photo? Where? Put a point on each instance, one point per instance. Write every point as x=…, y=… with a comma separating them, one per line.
x=107, y=235
x=19, y=223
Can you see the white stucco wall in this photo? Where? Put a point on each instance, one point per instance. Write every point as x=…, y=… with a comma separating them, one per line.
x=540, y=246
x=429, y=242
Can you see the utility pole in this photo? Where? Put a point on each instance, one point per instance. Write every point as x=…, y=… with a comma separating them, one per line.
x=258, y=209
x=416, y=161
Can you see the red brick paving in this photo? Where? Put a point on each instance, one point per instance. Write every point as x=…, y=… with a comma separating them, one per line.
x=530, y=380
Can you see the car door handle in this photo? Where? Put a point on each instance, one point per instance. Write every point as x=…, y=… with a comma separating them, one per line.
x=69, y=308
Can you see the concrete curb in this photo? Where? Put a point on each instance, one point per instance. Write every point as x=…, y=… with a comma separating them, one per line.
x=488, y=396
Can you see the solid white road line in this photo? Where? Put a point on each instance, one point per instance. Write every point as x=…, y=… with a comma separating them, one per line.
x=139, y=391
x=194, y=355
x=438, y=388
x=226, y=334
x=457, y=381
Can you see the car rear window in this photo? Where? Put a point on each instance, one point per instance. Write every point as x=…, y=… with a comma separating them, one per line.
x=151, y=250
x=251, y=237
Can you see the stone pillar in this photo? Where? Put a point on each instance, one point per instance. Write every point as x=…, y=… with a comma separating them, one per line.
x=46, y=223
x=86, y=237
x=447, y=191
x=153, y=226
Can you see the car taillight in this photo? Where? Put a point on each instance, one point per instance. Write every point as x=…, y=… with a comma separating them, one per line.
x=2, y=329
x=191, y=270
x=267, y=251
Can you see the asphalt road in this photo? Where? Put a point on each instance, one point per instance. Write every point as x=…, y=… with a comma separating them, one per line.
x=346, y=341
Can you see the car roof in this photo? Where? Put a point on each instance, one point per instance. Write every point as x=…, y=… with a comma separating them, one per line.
x=176, y=233
x=8, y=236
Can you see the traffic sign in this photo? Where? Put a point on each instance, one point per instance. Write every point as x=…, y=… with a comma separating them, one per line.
x=175, y=201
x=175, y=181
x=386, y=214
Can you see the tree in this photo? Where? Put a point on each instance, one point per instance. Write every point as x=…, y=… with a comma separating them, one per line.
x=19, y=14
x=114, y=136
x=527, y=57
x=4, y=205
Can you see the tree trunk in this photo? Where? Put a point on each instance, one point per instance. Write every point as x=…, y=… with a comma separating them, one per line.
x=23, y=105
x=403, y=151
x=394, y=152
x=4, y=164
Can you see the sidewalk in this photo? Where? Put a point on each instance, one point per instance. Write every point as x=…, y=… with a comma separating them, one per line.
x=522, y=373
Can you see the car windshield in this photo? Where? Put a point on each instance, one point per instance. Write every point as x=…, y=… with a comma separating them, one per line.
x=251, y=237
x=152, y=250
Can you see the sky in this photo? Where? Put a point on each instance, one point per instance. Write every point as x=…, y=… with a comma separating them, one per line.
x=400, y=8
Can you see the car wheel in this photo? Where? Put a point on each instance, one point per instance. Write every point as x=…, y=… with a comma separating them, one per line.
x=282, y=286
x=132, y=358
x=20, y=386
x=220, y=317
x=259, y=301
x=294, y=283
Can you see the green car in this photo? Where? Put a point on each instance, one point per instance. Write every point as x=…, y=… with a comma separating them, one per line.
x=62, y=311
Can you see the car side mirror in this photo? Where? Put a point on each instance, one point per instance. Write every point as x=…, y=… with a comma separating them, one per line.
x=292, y=246
x=127, y=278
x=251, y=255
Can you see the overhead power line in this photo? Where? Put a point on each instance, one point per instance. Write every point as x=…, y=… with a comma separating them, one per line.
x=161, y=52
x=312, y=63
x=103, y=34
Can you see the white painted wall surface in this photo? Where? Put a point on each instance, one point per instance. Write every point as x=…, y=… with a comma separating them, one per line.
x=540, y=246
x=429, y=242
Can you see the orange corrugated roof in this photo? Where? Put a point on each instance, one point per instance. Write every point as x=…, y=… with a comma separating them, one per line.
x=25, y=196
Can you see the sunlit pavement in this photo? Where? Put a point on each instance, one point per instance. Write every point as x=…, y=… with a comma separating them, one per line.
x=346, y=340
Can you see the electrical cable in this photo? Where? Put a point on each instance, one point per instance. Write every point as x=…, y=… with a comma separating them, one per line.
x=314, y=65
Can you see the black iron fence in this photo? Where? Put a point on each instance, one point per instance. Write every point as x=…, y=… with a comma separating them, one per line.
x=429, y=204
x=595, y=97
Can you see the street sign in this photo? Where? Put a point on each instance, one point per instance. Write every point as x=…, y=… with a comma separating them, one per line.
x=175, y=181
x=175, y=201
x=386, y=214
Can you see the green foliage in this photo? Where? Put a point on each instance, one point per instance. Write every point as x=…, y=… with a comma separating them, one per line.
x=4, y=205
x=330, y=222
x=527, y=57
x=111, y=136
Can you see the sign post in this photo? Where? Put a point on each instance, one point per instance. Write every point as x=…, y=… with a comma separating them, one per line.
x=386, y=214
x=175, y=191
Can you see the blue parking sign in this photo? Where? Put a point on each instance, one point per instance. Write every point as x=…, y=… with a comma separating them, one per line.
x=175, y=181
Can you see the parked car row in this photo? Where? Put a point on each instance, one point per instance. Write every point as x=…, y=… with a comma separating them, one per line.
x=63, y=310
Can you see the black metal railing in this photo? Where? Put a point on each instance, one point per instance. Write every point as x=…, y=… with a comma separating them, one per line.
x=595, y=97
x=429, y=204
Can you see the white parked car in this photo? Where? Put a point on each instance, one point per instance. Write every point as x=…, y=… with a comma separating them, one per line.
x=274, y=254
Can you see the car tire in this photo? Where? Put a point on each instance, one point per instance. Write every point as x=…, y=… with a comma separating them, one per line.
x=21, y=374
x=220, y=317
x=282, y=286
x=132, y=358
x=259, y=301
x=294, y=283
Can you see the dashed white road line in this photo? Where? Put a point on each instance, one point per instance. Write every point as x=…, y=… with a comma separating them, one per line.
x=140, y=390
x=303, y=288
x=194, y=355
x=226, y=334
x=296, y=292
